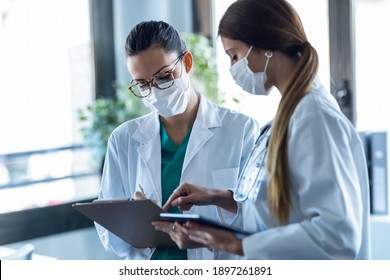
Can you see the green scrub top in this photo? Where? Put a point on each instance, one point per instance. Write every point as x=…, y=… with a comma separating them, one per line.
x=172, y=158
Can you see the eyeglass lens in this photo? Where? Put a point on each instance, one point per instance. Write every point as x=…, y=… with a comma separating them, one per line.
x=162, y=80
x=142, y=89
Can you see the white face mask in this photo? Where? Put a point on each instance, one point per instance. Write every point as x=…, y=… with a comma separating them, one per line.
x=253, y=83
x=171, y=101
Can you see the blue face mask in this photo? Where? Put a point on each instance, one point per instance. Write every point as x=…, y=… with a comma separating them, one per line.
x=253, y=83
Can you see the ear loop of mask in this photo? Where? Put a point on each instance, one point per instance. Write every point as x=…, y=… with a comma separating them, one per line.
x=247, y=54
x=268, y=55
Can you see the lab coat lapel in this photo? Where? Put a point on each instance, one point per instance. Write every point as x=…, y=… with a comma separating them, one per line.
x=206, y=119
x=148, y=134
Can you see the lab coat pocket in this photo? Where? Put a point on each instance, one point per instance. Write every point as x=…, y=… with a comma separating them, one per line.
x=225, y=178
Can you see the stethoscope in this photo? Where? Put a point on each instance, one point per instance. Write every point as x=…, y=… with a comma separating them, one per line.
x=255, y=169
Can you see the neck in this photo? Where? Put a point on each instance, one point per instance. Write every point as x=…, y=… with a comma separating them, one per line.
x=284, y=68
x=184, y=121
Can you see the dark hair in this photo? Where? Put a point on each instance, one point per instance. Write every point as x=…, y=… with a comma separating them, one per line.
x=274, y=25
x=154, y=33
x=265, y=24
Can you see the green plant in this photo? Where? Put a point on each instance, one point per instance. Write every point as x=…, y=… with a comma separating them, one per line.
x=204, y=73
x=103, y=116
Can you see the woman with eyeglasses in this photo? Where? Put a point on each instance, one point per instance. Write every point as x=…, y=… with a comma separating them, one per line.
x=184, y=139
x=304, y=191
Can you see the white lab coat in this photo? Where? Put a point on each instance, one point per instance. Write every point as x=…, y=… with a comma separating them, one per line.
x=219, y=145
x=329, y=218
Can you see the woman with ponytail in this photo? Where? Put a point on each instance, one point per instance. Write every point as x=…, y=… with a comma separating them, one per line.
x=304, y=192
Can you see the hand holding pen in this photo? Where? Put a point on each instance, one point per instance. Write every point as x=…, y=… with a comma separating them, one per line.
x=140, y=195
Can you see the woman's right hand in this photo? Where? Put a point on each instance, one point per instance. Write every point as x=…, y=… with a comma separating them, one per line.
x=187, y=195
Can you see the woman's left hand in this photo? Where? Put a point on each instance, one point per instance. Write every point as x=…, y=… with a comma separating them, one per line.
x=178, y=233
x=214, y=238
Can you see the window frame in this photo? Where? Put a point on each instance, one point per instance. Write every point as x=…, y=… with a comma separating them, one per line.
x=342, y=55
x=33, y=223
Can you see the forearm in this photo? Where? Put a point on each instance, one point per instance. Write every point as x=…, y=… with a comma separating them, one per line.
x=224, y=199
x=235, y=247
x=227, y=242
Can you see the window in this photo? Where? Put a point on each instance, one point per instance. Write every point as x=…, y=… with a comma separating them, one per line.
x=46, y=75
x=372, y=64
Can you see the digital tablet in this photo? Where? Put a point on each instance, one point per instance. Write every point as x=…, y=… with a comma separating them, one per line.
x=130, y=220
x=182, y=218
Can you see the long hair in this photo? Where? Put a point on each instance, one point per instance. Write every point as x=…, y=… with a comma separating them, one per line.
x=274, y=25
x=154, y=33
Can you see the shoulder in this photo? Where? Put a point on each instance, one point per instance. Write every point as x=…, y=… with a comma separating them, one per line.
x=318, y=103
x=221, y=118
x=128, y=128
x=318, y=110
x=229, y=116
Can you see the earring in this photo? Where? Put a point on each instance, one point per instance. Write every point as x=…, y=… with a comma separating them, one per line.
x=269, y=54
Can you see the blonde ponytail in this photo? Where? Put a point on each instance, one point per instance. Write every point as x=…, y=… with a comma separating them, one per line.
x=279, y=198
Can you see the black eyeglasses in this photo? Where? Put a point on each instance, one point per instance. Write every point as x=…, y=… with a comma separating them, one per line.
x=162, y=80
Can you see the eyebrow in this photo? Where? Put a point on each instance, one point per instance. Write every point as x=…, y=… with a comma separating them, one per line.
x=227, y=51
x=158, y=71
